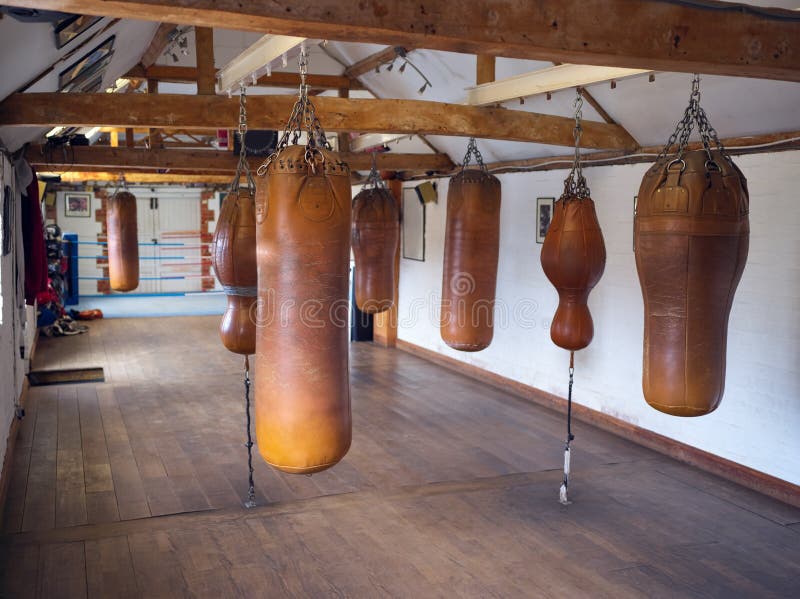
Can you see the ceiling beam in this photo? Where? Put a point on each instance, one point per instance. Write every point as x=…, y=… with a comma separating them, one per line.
x=157, y=44
x=336, y=114
x=551, y=79
x=211, y=161
x=711, y=37
x=145, y=178
x=204, y=54
x=174, y=74
x=373, y=61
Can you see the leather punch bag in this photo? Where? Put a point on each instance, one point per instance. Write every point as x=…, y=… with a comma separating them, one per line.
x=573, y=259
x=691, y=237
x=376, y=233
x=234, y=258
x=303, y=210
x=123, y=241
x=471, y=250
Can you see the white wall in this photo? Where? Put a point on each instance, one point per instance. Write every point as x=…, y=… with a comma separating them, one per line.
x=13, y=331
x=758, y=420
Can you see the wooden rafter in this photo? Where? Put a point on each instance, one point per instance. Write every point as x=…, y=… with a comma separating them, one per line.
x=211, y=161
x=337, y=114
x=373, y=61
x=709, y=37
x=157, y=44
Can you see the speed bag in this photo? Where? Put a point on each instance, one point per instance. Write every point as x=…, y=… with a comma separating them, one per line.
x=123, y=241
x=692, y=234
x=471, y=250
x=573, y=259
x=376, y=233
x=234, y=261
x=302, y=391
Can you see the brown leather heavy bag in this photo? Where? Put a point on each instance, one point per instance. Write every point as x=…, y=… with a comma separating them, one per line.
x=123, y=241
x=471, y=249
x=376, y=232
x=573, y=259
x=692, y=235
x=234, y=261
x=302, y=391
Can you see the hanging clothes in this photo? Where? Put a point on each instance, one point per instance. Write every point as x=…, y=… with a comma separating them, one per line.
x=32, y=233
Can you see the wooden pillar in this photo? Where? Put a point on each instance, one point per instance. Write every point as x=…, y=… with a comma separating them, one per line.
x=114, y=138
x=485, y=69
x=204, y=51
x=344, y=137
x=129, y=140
x=384, y=325
x=155, y=134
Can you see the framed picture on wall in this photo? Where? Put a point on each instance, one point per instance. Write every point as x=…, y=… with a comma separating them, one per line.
x=84, y=73
x=544, y=214
x=68, y=28
x=78, y=204
x=413, y=225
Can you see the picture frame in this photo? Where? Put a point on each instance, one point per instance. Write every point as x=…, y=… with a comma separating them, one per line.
x=72, y=26
x=544, y=214
x=78, y=204
x=413, y=226
x=85, y=72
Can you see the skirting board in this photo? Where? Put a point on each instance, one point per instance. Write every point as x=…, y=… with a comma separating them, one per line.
x=747, y=477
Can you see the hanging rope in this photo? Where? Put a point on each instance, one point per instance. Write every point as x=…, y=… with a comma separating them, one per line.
x=243, y=168
x=472, y=150
x=251, y=492
x=303, y=119
x=562, y=493
x=575, y=184
x=683, y=130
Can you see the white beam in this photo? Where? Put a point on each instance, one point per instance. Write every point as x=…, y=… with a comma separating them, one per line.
x=563, y=76
x=370, y=140
x=255, y=60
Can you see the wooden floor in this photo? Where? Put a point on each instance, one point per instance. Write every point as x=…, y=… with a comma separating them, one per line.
x=133, y=488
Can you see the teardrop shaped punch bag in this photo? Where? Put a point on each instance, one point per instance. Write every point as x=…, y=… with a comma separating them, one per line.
x=123, y=241
x=573, y=259
x=471, y=250
x=303, y=210
x=691, y=236
x=234, y=256
x=376, y=232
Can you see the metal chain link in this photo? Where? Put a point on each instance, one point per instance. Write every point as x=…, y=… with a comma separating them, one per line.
x=694, y=113
x=374, y=177
x=472, y=150
x=302, y=119
x=575, y=183
x=243, y=167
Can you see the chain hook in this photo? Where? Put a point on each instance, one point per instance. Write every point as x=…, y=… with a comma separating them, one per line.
x=472, y=150
x=243, y=167
x=575, y=184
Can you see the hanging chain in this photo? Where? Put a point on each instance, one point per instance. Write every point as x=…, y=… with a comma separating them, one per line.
x=472, y=150
x=251, y=492
x=570, y=437
x=121, y=184
x=575, y=184
x=374, y=177
x=302, y=119
x=243, y=167
x=694, y=113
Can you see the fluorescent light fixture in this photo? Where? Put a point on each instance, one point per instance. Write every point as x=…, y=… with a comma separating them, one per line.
x=371, y=140
x=92, y=132
x=54, y=131
x=552, y=79
x=255, y=60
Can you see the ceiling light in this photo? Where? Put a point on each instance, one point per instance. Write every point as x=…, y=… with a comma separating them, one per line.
x=402, y=68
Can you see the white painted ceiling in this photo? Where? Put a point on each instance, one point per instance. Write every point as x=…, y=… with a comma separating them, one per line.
x=648, y=110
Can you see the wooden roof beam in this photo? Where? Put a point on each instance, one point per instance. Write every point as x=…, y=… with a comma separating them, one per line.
x=210, y=161
x=717, y=38
x=337, y=115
